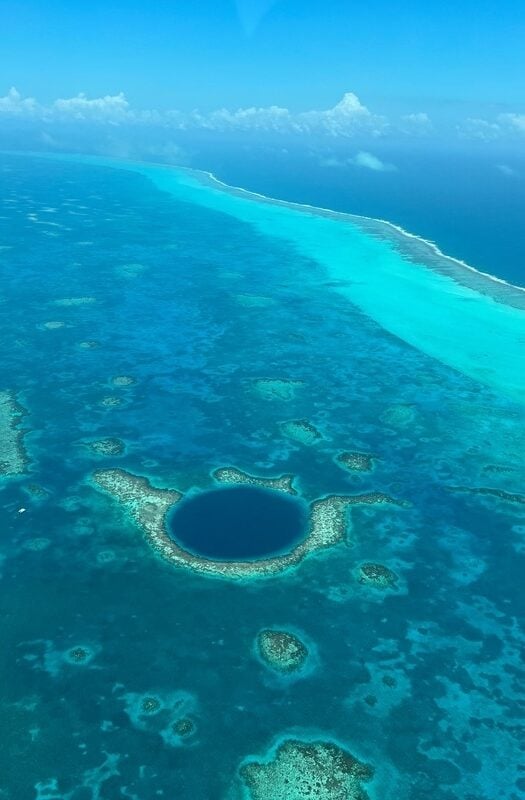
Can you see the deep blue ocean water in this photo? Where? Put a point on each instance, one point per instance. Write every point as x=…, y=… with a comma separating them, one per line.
x=469, y=201
x=104, y=275
x=239, y=522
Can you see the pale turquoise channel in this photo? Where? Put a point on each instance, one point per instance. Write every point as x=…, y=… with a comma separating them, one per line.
x=471, y=332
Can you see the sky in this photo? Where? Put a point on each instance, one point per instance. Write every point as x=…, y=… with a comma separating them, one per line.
x=382, y=67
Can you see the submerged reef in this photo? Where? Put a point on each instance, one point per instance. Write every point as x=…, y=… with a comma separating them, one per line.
x=500, y=494
x=377, y=575
x=276, y=388
x=281, y=650
x=13, y=458
x=111, y=402
x=400, y=415
x=53, y=325
x=123, y=380
x=72, y=302
x=355, y=462
x=327, y=523
x=301, y=430
x=306, y=770
x=254, y=300
x=236, y=476
x=106, y=447
x=169, y=715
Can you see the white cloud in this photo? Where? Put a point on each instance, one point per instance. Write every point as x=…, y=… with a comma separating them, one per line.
x=515, y=121
x=506, y=170
x=369, y=161
x=346, y=118
x=417, y=124
x=111, y=108
x=505, y=126
x=13, y=104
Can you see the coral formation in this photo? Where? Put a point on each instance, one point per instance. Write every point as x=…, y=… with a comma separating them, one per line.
x=107, y=447
x=79, y=655
x=149, y=508
x=377, y=575
x=123, y=380
x=276, y=388
x=169, y=715
x=183, y=727
x=37, y=544
x=281, y=650
x=111, y=402
x=72, y=302
x=254, y=300
x=232, y=475
x=13, y=459
x=150, y=705
x=400, y=415
x=355, y=462
x=53, y=325
x=301, y=430
x=306, y=770
x=500, y=494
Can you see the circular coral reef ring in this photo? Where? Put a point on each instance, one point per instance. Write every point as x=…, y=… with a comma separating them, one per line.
x=299, y=768
x=150, y=508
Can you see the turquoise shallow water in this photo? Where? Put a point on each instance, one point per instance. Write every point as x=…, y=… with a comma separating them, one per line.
x=196, y=292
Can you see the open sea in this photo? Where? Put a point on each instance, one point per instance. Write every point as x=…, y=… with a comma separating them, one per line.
x=166, y=340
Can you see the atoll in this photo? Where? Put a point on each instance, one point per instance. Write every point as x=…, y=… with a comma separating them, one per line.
x=13, y=459
x=281, y=650
x=377, y=575
x=232, y=475
x=306, y=770
x=149, y=507
x=106, y=447
x=301, y=430
x=355, y=462
x=276, y=388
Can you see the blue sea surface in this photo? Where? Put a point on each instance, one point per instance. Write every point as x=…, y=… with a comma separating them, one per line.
x=140, y=309
x=469, y=202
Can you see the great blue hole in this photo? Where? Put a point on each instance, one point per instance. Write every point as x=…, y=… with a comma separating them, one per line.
x=240, y=523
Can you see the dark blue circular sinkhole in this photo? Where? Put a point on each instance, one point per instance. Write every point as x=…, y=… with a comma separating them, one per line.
x=240, y=523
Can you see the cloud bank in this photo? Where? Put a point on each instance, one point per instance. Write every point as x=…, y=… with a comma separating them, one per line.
x=349, y=118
